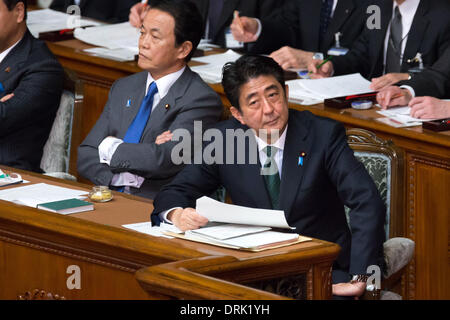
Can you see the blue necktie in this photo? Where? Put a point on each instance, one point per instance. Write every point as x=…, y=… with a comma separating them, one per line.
x=136, y=128
x=325, y=17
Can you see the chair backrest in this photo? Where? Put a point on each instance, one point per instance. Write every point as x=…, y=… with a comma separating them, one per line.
x=60, y=150
x=384, y=163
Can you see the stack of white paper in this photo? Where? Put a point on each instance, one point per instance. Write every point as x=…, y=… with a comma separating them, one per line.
x=399, y=117
x=35, y=194
x=311, y=91
x=46, y=20
x=212, y=71
x=115, y=36
x=146, y=227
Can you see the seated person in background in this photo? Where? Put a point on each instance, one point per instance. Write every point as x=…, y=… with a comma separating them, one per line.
x=312, y=190
x=433, y=82
x=30, y=89
x=301, y=28
x=408, y=27
x=112, y=11
x=127, y=148
x=217, y=15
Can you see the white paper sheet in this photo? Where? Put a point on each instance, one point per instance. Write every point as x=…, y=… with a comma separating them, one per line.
x=401, y=114
x=228, y=231
x=298, y=94
x=46, y=20
x=113, y=54
x=146, y=227
x=333, y=87
x=114, y=36
x=217, y=211
x=35, y=194
x=260, y=239
x=212, y=71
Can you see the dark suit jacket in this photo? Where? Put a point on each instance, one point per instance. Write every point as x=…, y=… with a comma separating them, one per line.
x=297, y=24
x=312, y=196
x=434, y=81
x=249, y=8
x=429, y=35
x=32, y=73
x=112, y=11
x=189, y=99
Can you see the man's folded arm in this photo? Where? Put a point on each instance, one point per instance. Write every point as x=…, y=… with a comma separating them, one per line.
x=151, y=160
x=358, y=192
x=39, y=89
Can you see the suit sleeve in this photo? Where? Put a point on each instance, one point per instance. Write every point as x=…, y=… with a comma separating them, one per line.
x=150, y=160
x=278, y=29
x=357, y=191
x=191, y=183
x=37, y=95
x=88, y=162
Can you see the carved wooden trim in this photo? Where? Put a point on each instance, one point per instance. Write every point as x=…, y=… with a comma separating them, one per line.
x=309, y=284
x=294, y=287
x=62, y=251
x=38, y=294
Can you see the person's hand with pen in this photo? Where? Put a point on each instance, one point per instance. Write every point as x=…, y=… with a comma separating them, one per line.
x=319, y=69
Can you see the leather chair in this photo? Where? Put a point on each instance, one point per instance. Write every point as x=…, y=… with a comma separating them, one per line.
x=384, y=162
x=60, y=151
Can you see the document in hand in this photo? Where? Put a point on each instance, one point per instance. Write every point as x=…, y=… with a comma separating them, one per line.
x=240, y=228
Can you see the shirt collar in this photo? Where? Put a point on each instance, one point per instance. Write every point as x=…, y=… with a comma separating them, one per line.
x=165, y=83
x=278, y=144
x=409, y=7
x=5, y=53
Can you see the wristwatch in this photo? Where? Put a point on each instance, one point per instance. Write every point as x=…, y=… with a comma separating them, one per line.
x=359, y=278
x=318, y=56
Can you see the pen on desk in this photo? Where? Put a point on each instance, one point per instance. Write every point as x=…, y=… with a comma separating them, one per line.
x=445, y=121
x=321, y=65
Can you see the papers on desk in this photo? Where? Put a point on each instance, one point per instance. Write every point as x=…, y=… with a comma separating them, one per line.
x=212, y=71
x=121, y=39
x=46, y=20
x=399, y=117
x=35, y=194
x=216, y=211
x=313, y=91
x=146, y=227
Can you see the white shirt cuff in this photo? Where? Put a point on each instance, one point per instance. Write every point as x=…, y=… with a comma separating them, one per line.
x=258, y=33
x=107, y=148
x=410, y=89
x=127, y=179
x=163, y=215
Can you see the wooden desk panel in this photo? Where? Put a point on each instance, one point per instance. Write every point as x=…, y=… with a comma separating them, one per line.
x=37, y=247
x=427, y=167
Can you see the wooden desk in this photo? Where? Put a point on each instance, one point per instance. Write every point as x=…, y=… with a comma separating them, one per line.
x=427, y=167
x=37, y=247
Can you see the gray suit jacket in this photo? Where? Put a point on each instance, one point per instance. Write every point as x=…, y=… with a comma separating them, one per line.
x=189, y=99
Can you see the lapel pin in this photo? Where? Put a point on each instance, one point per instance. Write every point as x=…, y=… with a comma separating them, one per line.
x=167, y=106
x=128, y=103
x=301, y=158
x=8, y=69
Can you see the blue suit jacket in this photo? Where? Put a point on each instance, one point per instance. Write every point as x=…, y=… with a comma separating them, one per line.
x=312, y=195
x=33, y=74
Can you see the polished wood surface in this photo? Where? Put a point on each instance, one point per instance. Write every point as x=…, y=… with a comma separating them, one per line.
x=37, y=247
x=426, y=166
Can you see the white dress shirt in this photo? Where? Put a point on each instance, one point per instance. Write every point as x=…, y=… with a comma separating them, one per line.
x=262, y=160
x=109, y=145
x=5, y=53
x=408, y=11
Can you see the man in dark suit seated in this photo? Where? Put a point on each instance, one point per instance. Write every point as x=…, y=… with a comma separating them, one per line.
x=112, y=11
x=409, y=28
x=434, y=83
x=217, y=15
x=312, y=174
x=301, y=28
x=30, y=89
x=127, y=148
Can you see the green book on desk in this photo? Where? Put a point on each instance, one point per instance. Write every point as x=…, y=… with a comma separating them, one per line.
x=67, y=206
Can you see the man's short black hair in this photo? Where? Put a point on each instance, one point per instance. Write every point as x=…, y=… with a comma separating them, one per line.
x=188, y=21
x=11, y=4
x=247, y=67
